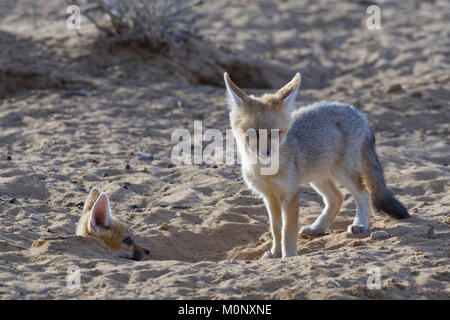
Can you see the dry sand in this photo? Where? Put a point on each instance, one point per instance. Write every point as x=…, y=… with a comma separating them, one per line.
x=205, y=230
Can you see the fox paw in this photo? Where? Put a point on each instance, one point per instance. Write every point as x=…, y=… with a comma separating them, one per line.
x=356, y=228
x=311, y=230
x=269, y=255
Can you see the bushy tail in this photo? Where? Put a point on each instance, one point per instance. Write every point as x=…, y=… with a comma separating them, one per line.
x=382, y=198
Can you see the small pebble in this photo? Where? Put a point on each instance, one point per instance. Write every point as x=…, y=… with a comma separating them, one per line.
x=417, y=94
x=146, y=157
x=431, y=234
x=394, y=88
x=377, y=235
x=357, y=104
x=394, y=283
x=37, y=217
x=6, y=157
x=436, y=106
x=164, y=227
x=332, y=284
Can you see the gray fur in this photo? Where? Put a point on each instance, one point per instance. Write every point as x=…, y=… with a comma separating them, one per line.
x=327, y=133
x=335, y=135
x=325, y=143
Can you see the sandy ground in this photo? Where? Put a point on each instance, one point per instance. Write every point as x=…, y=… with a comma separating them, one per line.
x=205, y=230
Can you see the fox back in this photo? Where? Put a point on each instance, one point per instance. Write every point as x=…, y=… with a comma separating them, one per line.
x=326, y=135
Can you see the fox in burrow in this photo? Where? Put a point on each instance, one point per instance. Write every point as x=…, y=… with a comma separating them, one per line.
x=97, y=221
x=322, y=144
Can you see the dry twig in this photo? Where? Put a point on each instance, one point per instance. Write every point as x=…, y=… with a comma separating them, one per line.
x=156, y=22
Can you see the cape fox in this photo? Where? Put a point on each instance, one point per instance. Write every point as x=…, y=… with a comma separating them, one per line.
x=322, y=144
x=97, y=221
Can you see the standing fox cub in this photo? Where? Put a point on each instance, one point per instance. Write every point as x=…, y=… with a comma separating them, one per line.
x=98, y=222
x=320, y=144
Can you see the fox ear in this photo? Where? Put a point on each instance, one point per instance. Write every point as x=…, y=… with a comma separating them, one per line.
x=235, y=96
x=90, y=200
x=289, y=92
x=100, y=218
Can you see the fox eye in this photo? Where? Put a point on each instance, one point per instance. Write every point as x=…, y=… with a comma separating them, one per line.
x=127, y=240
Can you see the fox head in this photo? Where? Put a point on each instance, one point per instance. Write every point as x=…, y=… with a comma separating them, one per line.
x=254, y=117
x=97, y=221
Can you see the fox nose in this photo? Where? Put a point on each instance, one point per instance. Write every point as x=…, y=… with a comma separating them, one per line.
x=146, y=251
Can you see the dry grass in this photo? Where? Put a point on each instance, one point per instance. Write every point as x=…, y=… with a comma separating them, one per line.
x=154, y=22
x=168, y=27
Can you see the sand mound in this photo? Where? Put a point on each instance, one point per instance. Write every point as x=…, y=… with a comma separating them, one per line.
x=84, y=247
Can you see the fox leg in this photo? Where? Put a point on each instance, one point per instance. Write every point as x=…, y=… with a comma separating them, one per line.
x=289, y=231
x=274, y=209
x=332, y=199
x=354, y=184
